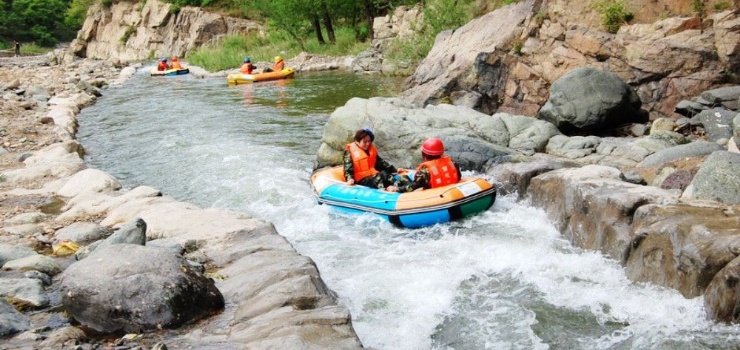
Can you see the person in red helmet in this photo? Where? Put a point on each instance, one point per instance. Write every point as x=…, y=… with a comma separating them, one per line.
x=162, y=65
x=436, y=170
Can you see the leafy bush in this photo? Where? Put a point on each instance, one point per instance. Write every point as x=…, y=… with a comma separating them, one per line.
x=613, y=14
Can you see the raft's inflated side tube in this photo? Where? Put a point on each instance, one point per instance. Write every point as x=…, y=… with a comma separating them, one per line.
x=412, y=209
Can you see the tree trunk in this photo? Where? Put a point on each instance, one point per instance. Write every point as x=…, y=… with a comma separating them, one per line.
x=327, y=23
x=317, y=29
x=369, y=17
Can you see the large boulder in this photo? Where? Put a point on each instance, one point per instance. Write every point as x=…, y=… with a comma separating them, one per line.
x=459, y=58
x=133, y=288
x=588, y=99
x=471, y=138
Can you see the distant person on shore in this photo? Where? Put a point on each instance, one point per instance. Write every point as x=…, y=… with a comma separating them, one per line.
x=17, y=48
x=176, y=64
x=247, y=67
x=436, y=169
x=162, y=64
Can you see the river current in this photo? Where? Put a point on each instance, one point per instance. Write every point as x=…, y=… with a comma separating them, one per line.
x=504, y=279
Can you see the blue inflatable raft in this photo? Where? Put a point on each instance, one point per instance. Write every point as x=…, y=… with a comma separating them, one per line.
x=412, y=209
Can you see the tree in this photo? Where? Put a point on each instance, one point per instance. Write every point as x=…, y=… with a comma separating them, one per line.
x=327, y=23
x=76, y=13
x=41, y=21
x=290, y=16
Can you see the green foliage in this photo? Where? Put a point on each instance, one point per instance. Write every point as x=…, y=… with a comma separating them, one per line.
x=613, y=14
x=130, y=30
x=517, y=46
x=721, y=6
x=75, y=15
x=107, y=3
x=540, y=17
x=441, y=15
x=230, y=51
x=40, y=21
x=698, y=5
x=174, y=9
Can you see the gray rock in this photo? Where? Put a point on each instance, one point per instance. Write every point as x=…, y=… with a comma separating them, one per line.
x=589, y=99
x=44, y=278
x=572, y=147
x=24, y=230
x=719, y=95
x=37, y=262
x=689, y=108
x=27, y=290
x=694, y=149
x=170, y=244
x=717, y=123
x=80, y=232
x=11, y=252
x=134, y=288
x=65, y=337
x=132, y=233
x=12, y=321
x=718, y=178
x=26, y=218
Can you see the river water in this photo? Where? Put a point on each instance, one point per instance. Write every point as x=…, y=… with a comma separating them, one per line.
x=504, y=279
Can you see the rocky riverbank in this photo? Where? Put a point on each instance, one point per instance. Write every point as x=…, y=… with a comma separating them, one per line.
x=665, y=204
x=186, y=277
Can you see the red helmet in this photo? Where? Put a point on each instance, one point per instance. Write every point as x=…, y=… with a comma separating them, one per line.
x=433, y=147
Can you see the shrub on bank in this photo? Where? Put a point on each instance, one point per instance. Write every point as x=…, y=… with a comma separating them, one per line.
x=229, y=52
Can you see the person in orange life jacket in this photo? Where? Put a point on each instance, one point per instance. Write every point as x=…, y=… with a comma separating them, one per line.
x=436, y=170
x=279, y=64
x=175, y=63
x=363, y=165
x=162, y=64
x=247, y=67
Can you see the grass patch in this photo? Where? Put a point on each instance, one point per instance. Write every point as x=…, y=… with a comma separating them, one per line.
x=721, y=6
x=33, y=49
x=230, y=51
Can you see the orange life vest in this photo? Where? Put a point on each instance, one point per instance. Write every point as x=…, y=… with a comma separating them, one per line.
x=162, y=66
x=363, y=163
x=442, y=171
x=278, y=66
x=176, y=65
x=247, y=68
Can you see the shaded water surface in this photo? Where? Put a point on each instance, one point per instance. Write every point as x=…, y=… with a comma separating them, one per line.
x=504, y=279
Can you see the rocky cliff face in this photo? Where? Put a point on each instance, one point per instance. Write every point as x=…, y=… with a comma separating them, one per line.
x=507, y=59
x=131, y=31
